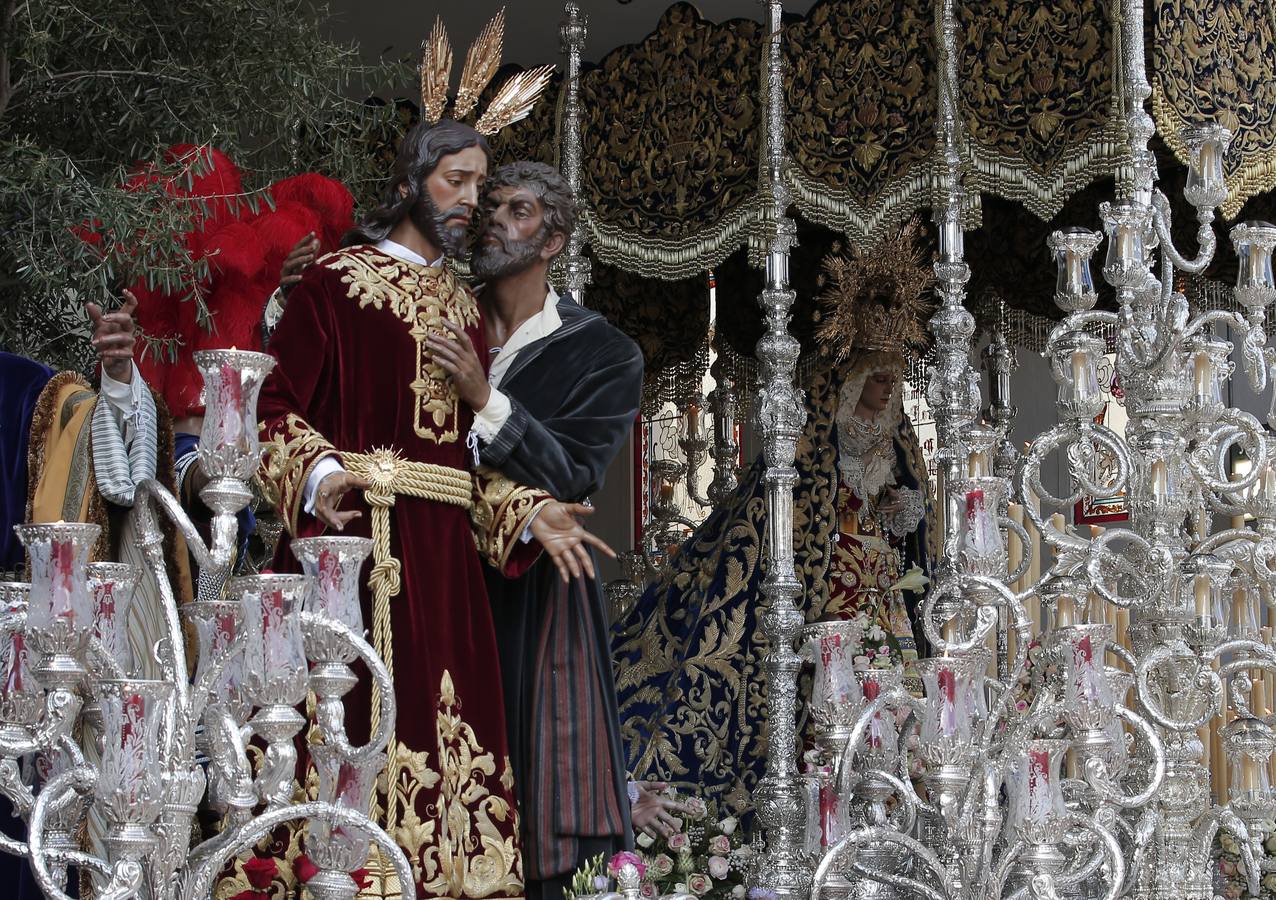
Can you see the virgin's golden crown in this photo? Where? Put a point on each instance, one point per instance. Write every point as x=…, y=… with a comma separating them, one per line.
x=878, y=300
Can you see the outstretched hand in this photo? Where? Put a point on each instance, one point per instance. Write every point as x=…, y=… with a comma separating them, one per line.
x=302, y=255
x=653, y=812
x=113, y=337
x=328, y=497
x=558, y=529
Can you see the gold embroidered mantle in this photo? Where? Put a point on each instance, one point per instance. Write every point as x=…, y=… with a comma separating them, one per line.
x=422, y=297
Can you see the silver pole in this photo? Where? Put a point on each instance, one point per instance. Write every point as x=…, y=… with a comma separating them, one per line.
x=953, y=391
x=573, y=32
x=783, y=866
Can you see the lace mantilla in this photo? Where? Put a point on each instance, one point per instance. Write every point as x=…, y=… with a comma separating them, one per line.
x=864, y=457
x=912, y=508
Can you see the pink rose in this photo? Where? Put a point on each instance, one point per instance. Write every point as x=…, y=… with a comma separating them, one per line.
x=719, y=867
x=626, y=858
x=720, y=845
x=696, y=808
x=662, y=865
x=648, y=890
x=699, y=884
x=680, y=841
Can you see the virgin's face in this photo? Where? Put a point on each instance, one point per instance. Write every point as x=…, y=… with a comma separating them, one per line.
x=878, y=388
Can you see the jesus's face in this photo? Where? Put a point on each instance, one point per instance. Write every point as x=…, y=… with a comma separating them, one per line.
x=451, y=196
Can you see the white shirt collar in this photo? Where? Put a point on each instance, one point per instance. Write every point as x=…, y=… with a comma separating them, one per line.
x=550, y=308
x=543, y=323
x=398, y=251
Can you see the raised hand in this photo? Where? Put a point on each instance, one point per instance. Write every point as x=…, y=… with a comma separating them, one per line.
x=113, y=337
x=891, y=502
x=557, y=527
x=302, y=255
x=460, y=360
x=328, y=497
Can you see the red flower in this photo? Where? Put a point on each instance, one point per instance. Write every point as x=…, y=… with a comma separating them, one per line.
x=362, y=879
x=304, y=869
x=260, y=872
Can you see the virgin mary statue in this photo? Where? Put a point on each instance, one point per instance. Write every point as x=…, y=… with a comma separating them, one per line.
x=692, y=691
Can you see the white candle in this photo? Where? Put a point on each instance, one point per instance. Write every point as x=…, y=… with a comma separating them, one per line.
x=1065, y=611
x=1249, y=774
x=1014, y=556
x=1078, y=370
x=1202, y=589
x=1255, y=264
x=1267, y=484
x=1076, y=279
x=1202, y=376
x=1208, y=163
x=950, y=633
x=1125, y=243
x=1160, y=480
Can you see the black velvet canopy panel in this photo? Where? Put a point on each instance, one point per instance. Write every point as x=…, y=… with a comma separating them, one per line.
x=672, y=128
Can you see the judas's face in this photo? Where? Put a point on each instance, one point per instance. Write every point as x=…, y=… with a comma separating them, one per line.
x=878, y=388
x=513, y=234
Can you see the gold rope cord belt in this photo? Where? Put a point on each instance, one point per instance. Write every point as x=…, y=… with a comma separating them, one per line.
x=390, y=476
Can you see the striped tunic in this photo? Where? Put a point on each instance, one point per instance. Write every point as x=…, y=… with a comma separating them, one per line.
x=573, y=395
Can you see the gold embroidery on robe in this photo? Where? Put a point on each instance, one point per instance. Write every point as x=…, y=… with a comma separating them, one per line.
x=459, y=852
x=501, y=511
x=422, y=297
x=289, y=455
x=684, y=694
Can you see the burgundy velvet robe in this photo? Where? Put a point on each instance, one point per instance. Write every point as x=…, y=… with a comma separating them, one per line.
x=354, y=375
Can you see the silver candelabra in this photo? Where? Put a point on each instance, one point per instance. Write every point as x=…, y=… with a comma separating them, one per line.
x=1042, y=791
x=129, y=760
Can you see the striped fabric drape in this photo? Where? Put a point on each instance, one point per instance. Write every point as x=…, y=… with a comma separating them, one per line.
x=119, y=468
x=570, y=727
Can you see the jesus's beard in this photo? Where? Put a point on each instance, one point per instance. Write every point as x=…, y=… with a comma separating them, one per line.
x=506, y=256
x=434, y=225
